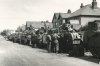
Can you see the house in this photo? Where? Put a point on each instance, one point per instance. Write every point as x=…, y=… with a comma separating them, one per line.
x=38, y=24
x=55, y=20
x=80, y=17
x=60, y=18
x=86, y=14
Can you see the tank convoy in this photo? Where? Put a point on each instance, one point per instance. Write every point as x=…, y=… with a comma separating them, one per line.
x=90, y=36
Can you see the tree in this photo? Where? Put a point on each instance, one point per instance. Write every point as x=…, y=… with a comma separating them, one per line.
x=5, y=32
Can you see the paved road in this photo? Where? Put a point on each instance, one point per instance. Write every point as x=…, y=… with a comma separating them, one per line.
x=13, y=54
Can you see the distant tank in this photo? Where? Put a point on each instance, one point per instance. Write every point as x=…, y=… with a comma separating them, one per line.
x=91, y=38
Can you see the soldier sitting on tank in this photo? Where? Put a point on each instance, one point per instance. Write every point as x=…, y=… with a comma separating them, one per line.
x=77, y=48
x=75, y=35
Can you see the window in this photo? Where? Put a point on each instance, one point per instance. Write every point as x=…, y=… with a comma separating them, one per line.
x=63, y=21
x=74, y=21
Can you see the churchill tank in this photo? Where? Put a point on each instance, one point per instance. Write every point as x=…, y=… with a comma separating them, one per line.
x=91, y=38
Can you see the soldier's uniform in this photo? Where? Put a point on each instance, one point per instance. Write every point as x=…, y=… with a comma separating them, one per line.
x=39, y=40
x=28, y=40
x=48, y=39
x=77, y=48
x=55, y=43
x=34, y=40
x=68, y=42
x=44, y=41
x=61, y=43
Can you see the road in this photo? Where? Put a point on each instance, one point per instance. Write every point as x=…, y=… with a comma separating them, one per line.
x=13, y=54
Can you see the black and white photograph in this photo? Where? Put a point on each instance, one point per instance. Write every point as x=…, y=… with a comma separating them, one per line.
x=49, y=32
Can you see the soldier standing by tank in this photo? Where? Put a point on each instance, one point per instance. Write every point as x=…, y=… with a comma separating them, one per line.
x=48, y=39
x=22, y=38
x=28, y=39
x=25, y=39
x=40, y=39
x=60, y=39
x=61, y=43
x=68, y=41
x=33, y=40
x=44, y=41
x=55, y=43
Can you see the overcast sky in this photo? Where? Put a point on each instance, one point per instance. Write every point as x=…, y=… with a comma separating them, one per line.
x=14, y=13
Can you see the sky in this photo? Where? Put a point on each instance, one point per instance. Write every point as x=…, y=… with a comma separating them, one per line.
x=14, y=13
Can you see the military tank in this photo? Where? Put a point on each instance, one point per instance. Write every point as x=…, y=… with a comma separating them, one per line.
x=91, y=38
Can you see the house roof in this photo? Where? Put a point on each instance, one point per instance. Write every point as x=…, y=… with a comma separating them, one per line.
x=60, y=15
x=55, y=17
x=86, y=10
x=37, y=24
x=65, y=15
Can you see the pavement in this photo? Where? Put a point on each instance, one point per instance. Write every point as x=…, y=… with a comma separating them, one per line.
x=13, y=54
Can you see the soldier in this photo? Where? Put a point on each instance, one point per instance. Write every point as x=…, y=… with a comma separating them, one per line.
x=55, y=43
x=28, y=40
x=40, y=40
x=44, y=41
x=48, y=39
x=61, y=43
x=68, y=41
x=77, y=48
x=19, y=38
x=25, y=39
x=15, y=38
x=22, y=39
x=75, y=35
x=33, y=40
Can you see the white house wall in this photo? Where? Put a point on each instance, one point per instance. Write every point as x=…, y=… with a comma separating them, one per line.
x=85, y=20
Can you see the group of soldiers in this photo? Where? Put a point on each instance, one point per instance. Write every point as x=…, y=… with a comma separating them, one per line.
x=51, y=40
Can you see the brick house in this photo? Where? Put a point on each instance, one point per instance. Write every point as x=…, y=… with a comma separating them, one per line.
x=55, y=20
x=60, y=18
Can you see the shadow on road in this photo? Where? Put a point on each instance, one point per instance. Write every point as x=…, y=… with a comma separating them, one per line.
x=90, y=58
x=87, y=58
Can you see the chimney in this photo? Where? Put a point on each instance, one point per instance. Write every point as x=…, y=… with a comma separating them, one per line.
x=69, y=11
x=94, y=4
x=81, y=5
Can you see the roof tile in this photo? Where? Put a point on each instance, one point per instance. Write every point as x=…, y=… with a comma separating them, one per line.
x=86, y=10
